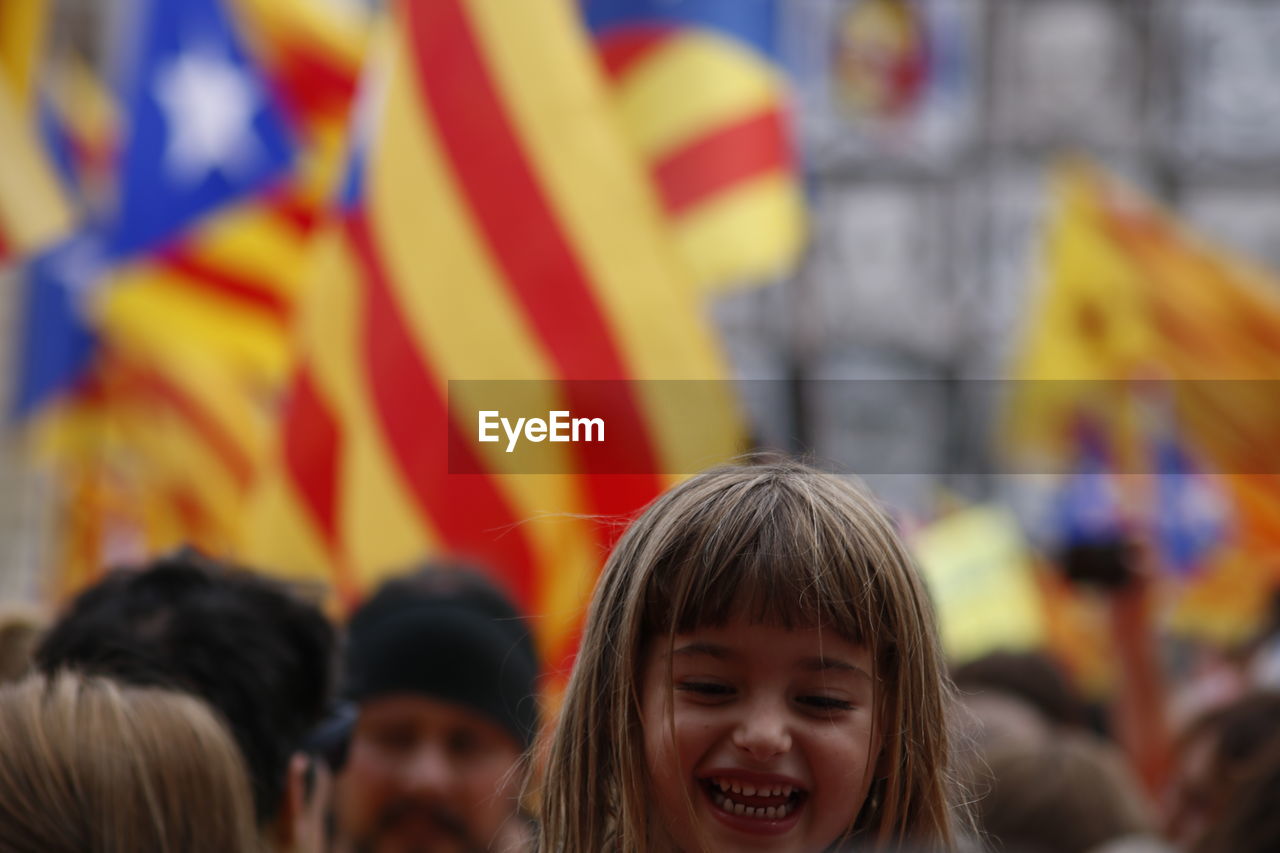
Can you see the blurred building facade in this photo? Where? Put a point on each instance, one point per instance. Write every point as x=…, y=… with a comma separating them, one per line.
x=930, y=129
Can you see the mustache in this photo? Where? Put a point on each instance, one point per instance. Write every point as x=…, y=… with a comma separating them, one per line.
x=442, y=816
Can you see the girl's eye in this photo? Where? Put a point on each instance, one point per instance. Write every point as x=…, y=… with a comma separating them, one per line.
x=710, y=689
x=825, y=703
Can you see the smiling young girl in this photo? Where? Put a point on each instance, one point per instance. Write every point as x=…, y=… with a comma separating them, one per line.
x=759, y=671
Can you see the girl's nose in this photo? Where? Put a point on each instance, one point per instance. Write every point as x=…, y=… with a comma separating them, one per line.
x=763, y=733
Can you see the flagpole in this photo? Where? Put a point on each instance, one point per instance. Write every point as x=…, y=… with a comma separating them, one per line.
x=803, y=343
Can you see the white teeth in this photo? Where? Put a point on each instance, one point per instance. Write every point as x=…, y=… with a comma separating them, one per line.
x=777, y=789
x=786, y=790
x=760, y=812
x=749, y=790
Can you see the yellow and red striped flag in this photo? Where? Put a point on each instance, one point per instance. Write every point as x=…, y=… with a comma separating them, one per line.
x=496, y=227
x=702, y=95
x=1133, y=299
x=148, y=454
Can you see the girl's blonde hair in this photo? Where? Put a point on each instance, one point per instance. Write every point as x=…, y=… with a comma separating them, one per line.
x=782, y=544
x=88, y=765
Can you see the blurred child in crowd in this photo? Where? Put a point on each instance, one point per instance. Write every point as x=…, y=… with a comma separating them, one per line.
x=88, y=765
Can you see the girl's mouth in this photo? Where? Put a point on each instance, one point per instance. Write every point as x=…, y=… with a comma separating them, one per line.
x=763, y=803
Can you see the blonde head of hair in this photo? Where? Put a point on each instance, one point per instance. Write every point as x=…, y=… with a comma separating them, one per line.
x=89, y=765
x=781, y=544
x=20, y=631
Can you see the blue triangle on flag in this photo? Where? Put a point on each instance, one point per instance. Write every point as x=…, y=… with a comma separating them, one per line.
x=203, y=127
x=57, y=343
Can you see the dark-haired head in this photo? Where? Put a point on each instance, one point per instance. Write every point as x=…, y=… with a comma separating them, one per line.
x=442, y=671
x=262, y=657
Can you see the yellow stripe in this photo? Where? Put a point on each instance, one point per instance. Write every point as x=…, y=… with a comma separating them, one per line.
x=751, y=232
x=611, y=219
x=278, y=535
x=253, y=243
x=681, y=91
x=33, y=208
x=23, y=26
x=157, y=310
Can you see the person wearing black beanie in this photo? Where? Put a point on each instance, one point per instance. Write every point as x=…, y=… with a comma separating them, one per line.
x=442, y=671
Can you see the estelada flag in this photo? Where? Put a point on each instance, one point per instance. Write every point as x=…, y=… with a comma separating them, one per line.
x=157, y=380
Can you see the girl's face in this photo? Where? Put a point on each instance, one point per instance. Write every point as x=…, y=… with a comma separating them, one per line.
x=773, y=737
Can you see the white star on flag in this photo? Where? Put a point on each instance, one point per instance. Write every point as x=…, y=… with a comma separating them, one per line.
x=208, y=106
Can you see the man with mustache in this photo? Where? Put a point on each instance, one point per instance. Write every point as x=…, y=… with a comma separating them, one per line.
x=443, y=672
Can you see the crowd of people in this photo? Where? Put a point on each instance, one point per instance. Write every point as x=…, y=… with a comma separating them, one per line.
x=759, y=669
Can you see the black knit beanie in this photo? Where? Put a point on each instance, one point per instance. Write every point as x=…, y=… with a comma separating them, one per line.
x=448, y=634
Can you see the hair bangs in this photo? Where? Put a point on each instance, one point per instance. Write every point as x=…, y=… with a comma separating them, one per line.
x=774, y=556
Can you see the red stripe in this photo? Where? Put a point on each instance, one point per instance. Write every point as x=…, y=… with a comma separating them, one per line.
x=312, y=450
x=746, y=149
x=201, y=275
x=313, y=453
x=471, y=514
x=523, y=235
x=313, y=85
x=6, y=247
x=288, y=205
x=203, y=424
x=622, y=50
